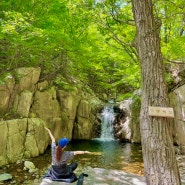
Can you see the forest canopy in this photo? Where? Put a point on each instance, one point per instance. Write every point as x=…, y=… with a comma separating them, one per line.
x=85, y=41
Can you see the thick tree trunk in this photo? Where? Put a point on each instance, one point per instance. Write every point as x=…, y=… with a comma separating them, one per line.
x=158, y=151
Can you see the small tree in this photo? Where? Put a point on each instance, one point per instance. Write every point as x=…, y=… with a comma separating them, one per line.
x=158, y=152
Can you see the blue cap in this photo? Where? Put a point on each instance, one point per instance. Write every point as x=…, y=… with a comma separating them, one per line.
x=63, y=142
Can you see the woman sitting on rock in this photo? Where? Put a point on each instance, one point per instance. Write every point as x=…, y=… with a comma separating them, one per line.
x=60, y=170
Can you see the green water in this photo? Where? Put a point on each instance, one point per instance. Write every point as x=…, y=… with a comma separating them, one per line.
x=115, y=155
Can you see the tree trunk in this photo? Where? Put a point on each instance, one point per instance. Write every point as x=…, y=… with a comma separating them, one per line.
x=157, y=146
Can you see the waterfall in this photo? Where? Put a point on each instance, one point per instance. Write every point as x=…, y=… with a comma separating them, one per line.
x=107, y=120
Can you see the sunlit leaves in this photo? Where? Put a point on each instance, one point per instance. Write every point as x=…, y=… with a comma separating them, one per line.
x=15, y=23
x=86, y=39
x=175, y=49
x=172, y=15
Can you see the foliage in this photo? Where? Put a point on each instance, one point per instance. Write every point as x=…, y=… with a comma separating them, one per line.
x=90, y=42
x=172, y=30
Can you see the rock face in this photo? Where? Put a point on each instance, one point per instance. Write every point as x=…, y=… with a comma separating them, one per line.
x=99, y=176
x=127, y=124
x=7, y=84
x=27, y=78
x=129, y=128
x=84, y=126
x=27, y=106
x=5, y=177
x=22, y=138
x=177, y=101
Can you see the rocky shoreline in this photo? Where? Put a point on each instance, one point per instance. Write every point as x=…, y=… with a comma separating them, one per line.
x=25, y=173
x=181, y=164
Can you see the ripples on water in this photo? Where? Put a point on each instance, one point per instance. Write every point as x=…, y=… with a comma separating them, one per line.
x=114, y=155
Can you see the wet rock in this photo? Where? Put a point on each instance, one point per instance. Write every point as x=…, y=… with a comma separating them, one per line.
x=181, y=164
x=29, y=166
x=5, y=177
x=104, y=177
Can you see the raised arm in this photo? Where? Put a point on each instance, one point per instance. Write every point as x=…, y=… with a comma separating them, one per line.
x=50, y=134
x=81, y=152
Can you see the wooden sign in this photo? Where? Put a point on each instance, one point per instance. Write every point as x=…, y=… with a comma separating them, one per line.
x=161, y=111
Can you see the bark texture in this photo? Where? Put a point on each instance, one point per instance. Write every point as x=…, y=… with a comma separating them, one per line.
x=158, y=152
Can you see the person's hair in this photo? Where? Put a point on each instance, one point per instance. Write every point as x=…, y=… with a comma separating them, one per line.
x=58, y=153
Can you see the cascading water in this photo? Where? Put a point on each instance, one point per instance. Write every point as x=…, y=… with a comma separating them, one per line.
x=107, y=120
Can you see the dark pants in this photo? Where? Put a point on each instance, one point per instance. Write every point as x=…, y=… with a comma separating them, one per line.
x=81, y=178
x=73, y=166
x=62, y=173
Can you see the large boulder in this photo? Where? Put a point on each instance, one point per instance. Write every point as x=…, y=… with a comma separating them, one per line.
x=68, y=102
x=126, y=124
x=83, y=125
x=6, y=90
x=3, y=140
x=83, y=129
x=66, y=127
x=22, y=138
x=22, y=103
x=100, y=176
x=84, y=109
x=177, y=101
x=15, y=139
x=27, y=77
x=12, y=140
x=57, y=108
x=37, y=104
x=46, y=106
x=36, y=139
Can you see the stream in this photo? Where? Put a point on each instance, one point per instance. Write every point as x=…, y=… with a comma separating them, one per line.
x=113, y=155
x=111, y=162
x=116, y=157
